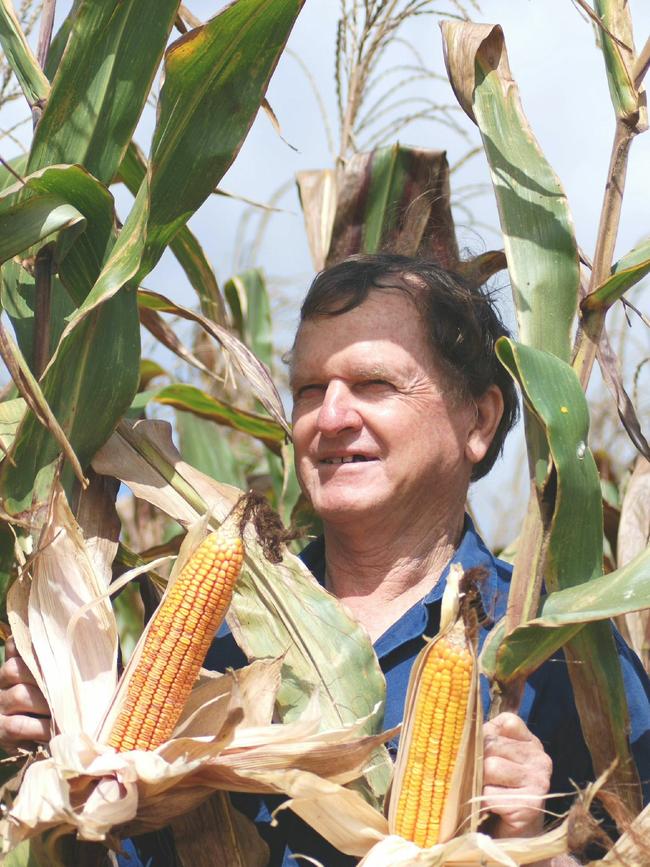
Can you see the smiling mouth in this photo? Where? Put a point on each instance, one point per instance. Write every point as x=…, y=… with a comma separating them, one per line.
x=348, y=459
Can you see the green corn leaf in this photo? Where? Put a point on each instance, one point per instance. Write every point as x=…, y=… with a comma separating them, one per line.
x=26, y=223
x=11, y=413
x=27, y=213
x=617, y=43
x=206, y=447
x=93, y=373
x=572, y=532
x=52, y=199
x=562, y=615
x=7, y=178
x=250, y=305
x=60, y=40
x=31, y=391
x=215, y=79
x=88, y=385
x=191, y=399
x=535, y=220
x=626, y=273
x=101, y=84
x=33, y=82
x=185, y=246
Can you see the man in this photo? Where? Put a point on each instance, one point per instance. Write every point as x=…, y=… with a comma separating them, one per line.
x=399, y=402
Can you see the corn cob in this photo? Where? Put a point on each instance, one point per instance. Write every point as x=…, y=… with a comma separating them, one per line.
x=438, y=723
x=176, y=643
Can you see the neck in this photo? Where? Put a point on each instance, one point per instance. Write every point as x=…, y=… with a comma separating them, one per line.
x=380, y=576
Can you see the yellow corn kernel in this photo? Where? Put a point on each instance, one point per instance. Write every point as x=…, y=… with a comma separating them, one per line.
x=438, y=723
x=177, y=641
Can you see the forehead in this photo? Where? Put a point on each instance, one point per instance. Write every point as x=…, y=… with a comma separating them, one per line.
x=385, y=330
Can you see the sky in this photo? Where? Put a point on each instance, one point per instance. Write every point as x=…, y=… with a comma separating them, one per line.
x=560, y=73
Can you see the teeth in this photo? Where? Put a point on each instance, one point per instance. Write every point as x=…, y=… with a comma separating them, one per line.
x=348, y=459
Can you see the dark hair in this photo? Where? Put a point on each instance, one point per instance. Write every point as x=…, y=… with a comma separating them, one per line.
x=462, y=323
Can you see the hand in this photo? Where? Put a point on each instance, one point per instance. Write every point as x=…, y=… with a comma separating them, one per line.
x=24, y=713
x=514, y=762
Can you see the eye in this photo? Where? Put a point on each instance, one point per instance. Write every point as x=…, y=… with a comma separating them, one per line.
x=376, y=386
x=308, y=391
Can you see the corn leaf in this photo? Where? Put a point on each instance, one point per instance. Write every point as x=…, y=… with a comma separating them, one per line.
x=248, y=365
x=60, y=40
x=633, y=537
x=215, y=79
x=250, y=305
x=33, y=82
x=80, y=249
x=200, y=403
x=277, y=609
x=88, y=386
x=535, y=220
x=105, y=74
x=19, y=300
x=573, y=538
x=617, y=43
x=394, y=199
x=93, y=374
x=17, y=165
x=11, y=413
x=562, y=615
x=317, y=191
x=185, y=246
x=23, y=224
x=626, y=273
x=613, y=378
x=7, y=565
x=167, y=336
x=206, y=448
x=24, y=855
x=30, y=390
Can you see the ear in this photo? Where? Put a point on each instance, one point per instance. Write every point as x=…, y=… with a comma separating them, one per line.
x=489, y=409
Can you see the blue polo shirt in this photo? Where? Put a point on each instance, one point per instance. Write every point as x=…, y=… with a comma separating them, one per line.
x=547, y=708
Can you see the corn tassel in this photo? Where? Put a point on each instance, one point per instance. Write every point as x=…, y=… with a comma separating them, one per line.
x=440, y=712
x=176, y=644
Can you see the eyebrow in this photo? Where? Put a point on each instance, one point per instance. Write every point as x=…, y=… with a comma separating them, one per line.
x=375, y=370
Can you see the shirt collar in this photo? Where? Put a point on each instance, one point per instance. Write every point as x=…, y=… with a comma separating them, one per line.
x=471, y=552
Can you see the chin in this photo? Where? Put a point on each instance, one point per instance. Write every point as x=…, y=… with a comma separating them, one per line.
x=342, y=509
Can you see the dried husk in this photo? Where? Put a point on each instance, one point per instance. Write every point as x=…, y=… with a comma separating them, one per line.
x=461, y=811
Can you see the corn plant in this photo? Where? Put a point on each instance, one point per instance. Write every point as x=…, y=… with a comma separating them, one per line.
x=72, y=288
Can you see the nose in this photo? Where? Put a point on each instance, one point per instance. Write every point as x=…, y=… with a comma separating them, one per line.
x=338, y=411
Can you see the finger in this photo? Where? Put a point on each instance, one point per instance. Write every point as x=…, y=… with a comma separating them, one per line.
x=10, y=647
x=508, y=725
x=23, y=698
x=498, y=771
x=13, y=671
x=518, y=816
x=20, y=730
x=523, y=752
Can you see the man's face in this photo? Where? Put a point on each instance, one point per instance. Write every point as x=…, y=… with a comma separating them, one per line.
x=377, y=431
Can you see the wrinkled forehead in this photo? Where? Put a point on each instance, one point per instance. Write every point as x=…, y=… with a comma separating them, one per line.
x=388, y=307
x=384, y=316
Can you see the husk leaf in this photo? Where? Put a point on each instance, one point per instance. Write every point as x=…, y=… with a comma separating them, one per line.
x=462, y=806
